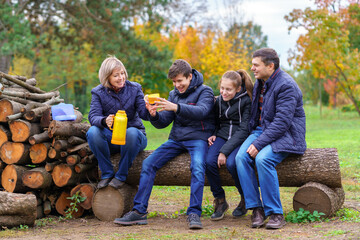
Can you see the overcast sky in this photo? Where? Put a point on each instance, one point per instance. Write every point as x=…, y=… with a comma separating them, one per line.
x=269, y=14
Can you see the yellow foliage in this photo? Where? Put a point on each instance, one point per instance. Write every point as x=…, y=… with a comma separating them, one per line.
x=21, y=66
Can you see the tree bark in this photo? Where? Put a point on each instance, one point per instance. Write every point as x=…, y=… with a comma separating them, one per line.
x=110, y=203
x=86, y=191
x=39, y=152
x=46, y=118
x=15, y=153
x=8, y=108
x=67, y=129
x=39, y=138
x=17, y=209
x=316, y=196
x=61, y=144
x=78, y=147
x=21, y=130
x=37, y=178
x=75, y=140
x=316, y=165
x=11, y=178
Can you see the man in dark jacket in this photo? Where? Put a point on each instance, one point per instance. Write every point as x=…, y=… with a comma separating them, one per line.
x=277, y=127
x=189, y=109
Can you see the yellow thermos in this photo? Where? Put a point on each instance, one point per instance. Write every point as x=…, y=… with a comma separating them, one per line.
x=119, y=129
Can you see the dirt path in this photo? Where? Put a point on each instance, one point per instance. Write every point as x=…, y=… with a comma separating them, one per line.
x=175, y=228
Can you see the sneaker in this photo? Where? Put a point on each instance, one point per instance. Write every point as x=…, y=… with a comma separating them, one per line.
x=132, y=218
x=103, y=183
x=194, y=221
x=116, y=183
x=240, y=210
x=276, y=221
x=220, y=206
x=257, y=217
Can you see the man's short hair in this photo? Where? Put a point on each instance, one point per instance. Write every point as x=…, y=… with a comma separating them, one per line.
x=268, y=56
x=180, y=66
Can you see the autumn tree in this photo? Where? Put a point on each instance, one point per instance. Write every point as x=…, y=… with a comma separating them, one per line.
x=329, y=47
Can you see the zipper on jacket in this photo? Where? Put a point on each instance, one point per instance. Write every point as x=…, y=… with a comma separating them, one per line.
x=230, y=129
x=202, y=125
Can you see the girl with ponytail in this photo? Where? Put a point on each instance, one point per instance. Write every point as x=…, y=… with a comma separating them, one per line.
x=232, y=113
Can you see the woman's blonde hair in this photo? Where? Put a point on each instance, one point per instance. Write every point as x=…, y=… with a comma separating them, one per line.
x=240, y=78
x=107, y=67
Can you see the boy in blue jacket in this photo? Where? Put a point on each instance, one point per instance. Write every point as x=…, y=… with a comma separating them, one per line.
x=189, y=109
x=277, y=126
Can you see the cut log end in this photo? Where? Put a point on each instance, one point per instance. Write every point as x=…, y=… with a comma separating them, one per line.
x=316, y=196
x=110, y=203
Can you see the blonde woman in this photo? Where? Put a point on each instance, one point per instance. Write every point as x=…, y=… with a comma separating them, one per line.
x=115, y=92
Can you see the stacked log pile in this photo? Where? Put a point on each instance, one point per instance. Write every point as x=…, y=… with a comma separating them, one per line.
x=39, y=155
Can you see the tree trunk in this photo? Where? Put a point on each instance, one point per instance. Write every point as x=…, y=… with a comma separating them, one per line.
x=76, y=140
x=67, y=129
x=78, y=147
x=8, y=108
x=110, y=203
x=63, y=203
x=46, y=118
x=11, y=178
x=37, y=178
x=316, y=165
x=39, y=138
x=21, y=130
x=39, y=152
x=17, y=209
x=316, y=196
x=61, y=144
x=15, y=153
x=86, y=191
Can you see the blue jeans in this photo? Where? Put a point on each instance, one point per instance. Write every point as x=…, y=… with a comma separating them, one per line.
x=265, y=162
x=100, y=144
x=212, y=169
x=166, y=152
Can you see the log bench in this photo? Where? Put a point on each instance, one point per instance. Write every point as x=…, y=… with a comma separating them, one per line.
x=316, y=173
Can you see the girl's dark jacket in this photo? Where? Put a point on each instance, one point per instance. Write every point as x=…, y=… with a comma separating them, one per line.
x=282, y=115
x=194, y=119
x=232, y=119
x=105, y=101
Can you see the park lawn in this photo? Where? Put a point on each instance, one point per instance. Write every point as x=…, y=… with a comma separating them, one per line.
x=331, y=129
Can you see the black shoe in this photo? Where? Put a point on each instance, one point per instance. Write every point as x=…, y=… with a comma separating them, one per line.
x=276, y=221
x=132, y=218
x=257, y=217
x=194, y=221
x=220, y=206
x=240, y=210
x=103, y=183
x=116, y=183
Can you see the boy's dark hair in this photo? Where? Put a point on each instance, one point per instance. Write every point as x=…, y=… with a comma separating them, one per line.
x=180, y=66
x=268, y=56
